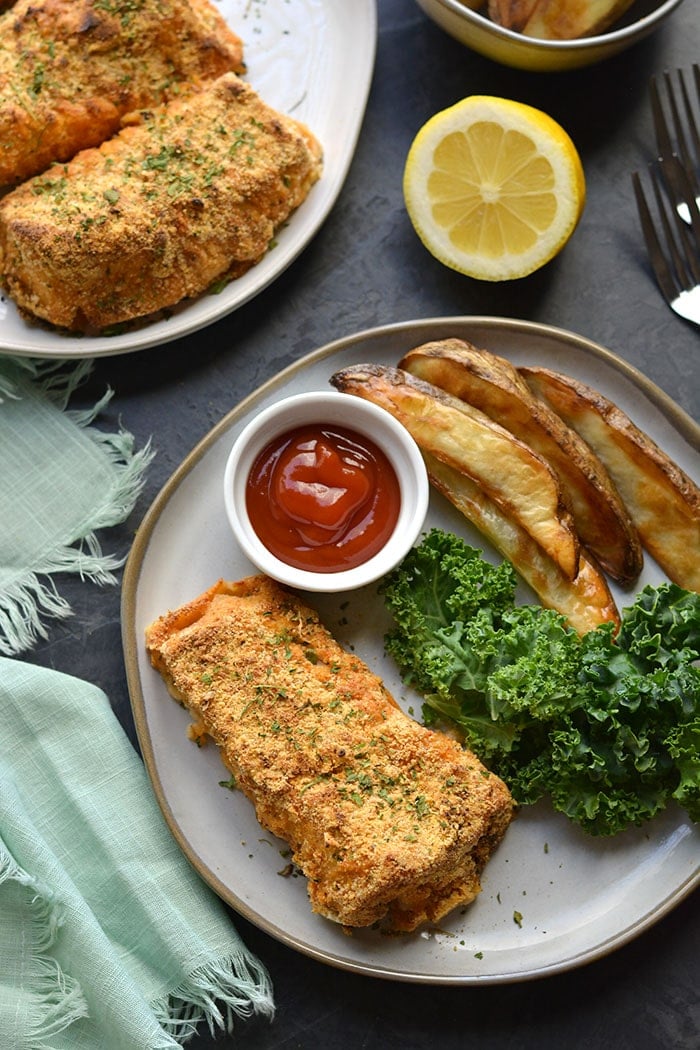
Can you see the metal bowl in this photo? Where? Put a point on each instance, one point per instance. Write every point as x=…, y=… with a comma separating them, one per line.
x=480, y=34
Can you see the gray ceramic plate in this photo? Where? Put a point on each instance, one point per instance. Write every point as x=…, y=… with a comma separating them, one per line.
x=579, y=897
x=312, y=59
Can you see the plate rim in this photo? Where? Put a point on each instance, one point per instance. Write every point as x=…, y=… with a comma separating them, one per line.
x=76, y=346
x=686, y=426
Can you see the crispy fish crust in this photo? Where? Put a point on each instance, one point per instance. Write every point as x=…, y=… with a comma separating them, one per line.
x=663, y=501
x=191, y=193
x=387, y=819
x=494, y=386
x=71, y=69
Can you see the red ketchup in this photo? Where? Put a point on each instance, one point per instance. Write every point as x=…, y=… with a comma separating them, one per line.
x=323, y=498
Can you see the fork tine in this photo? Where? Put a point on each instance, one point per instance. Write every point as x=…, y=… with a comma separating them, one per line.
x=677, y=268
x=684, y=260
x=690, y=126
x=685, y=140
x=692, y=123
x=656, y=254
x=663, y=138
x=677, y=175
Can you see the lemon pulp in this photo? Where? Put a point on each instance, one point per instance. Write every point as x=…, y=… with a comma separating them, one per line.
x=493, y=188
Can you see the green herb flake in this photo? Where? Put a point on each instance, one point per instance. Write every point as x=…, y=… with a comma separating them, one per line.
x=420, y=806
x=37, y=80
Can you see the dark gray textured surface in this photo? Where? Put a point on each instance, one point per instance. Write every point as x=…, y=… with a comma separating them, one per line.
x=364, y=268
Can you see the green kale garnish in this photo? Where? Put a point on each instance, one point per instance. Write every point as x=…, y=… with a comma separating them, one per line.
x=608, y=726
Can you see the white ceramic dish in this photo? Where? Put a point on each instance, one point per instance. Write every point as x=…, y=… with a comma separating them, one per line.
x=579, y=897
x=312, y=59
x=479, y=33
x=368, y=420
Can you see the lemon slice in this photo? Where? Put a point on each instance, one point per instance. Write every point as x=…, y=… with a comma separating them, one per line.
x=494, y=188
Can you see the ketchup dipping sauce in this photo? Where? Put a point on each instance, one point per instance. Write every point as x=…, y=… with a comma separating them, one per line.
x=323, y=497
x=325, y=491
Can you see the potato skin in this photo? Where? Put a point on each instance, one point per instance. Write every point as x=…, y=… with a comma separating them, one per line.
x=187, y=194
x=493, y=385
x=557, y=19
x=71, y=69
x=585, y=601
x=514, y=477
x=663, y=501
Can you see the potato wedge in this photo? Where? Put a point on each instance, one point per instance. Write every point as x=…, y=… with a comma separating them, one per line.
x=663, y=501
x=571, y=19
x=512, y=14
x=492, y=384
x=586, y=601
x=511, y=474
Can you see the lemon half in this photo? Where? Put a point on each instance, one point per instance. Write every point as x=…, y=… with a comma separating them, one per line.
x=494, y=188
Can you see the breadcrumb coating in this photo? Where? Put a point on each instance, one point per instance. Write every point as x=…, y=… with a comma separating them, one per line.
x=71, y=69
x=187, y=194
x=388, y=820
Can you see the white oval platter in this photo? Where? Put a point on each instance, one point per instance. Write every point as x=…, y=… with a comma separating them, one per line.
x=311, y=59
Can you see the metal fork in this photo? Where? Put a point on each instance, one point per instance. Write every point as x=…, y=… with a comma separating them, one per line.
x=679, y=136
x=676, y=261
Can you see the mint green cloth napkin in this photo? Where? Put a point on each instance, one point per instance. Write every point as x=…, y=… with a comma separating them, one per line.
x=61, y=479
x=109, y=940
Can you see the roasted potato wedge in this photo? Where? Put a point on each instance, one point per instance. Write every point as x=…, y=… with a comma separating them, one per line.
x=493, y=385
x=571, y=19
x=512, y=14
x=663, y=501
x=586, y=601
x=519, y=481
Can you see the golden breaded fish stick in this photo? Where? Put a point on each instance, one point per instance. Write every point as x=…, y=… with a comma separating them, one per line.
x=71, y=69
x=193, y=192
x=387, y=819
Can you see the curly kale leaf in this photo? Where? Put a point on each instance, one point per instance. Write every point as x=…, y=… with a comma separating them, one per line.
x=606, y=726
x=662, y=627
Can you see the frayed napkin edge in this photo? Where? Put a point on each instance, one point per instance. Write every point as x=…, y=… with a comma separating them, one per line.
x=59, y=996
x=28, y=600
x=237, y=985
x=51, y=380
x=216, y=994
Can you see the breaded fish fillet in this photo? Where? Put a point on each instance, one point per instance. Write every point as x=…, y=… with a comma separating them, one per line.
x=191, y=193
x=70, y=69
x=385, y=817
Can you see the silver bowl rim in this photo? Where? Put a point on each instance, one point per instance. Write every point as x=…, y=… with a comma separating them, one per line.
x=641, y=26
